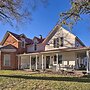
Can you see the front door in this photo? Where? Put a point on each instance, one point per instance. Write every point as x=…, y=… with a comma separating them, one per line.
x=47, y=62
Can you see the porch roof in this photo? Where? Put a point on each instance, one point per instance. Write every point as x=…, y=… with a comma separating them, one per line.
x=73, y=49
x=8, y=48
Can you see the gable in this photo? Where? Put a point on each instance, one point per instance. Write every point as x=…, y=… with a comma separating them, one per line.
x=58, y=32
x=51, y=34
x=69, y=39
x=9, y=39
x=6, y=36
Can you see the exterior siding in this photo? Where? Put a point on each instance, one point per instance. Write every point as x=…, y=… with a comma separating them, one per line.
x=69, y=58
x=40, y=47
x=69, y=39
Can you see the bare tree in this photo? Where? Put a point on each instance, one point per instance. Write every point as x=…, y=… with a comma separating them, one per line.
x=78, y=7
x=17, y=10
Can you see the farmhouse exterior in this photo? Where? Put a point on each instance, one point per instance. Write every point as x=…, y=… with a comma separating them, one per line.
x=59, y=50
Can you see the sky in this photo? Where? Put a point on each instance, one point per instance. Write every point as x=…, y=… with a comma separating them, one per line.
x=45, y=18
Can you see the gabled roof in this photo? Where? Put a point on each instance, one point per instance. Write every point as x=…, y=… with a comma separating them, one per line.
x=17, y=37
x=28, y=41
x=80, y=41
x=51, y=33
x=55, y=29
x=8, y=47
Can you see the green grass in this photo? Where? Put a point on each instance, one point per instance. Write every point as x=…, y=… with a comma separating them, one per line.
x=21, y=80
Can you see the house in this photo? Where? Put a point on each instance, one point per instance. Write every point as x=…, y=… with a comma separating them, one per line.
x=59, y=50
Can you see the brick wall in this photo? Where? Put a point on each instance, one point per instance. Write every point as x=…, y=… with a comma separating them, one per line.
x=13, y=61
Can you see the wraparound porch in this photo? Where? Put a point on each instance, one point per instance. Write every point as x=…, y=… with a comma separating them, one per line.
x=55, y=60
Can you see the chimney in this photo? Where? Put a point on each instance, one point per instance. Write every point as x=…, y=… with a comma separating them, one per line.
x=40, y=36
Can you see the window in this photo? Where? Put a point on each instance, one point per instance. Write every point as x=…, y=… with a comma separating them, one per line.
x=7, y=60
x=77, y=44
x=23, y=44
x=38, y=60
x=61, y=41
x=55, y=59
x=58, y=42
x=33, y=61
x=35, y=46
x=59, y=59
x=54, y=43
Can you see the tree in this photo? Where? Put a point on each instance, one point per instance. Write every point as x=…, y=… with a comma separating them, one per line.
x=17, y=10
x=78, y=8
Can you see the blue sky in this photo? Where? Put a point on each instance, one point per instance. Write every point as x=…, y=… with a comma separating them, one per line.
x=45, y=18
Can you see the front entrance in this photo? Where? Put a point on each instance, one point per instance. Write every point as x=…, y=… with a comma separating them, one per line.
x=47, y=62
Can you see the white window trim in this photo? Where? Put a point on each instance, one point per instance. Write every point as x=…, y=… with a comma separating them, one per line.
x=22, y=45
x=9, y=60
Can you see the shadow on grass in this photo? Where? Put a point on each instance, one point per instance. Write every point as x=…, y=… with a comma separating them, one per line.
x=70, y=79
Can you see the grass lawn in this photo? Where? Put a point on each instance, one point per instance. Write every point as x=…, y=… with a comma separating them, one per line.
x=21, y=80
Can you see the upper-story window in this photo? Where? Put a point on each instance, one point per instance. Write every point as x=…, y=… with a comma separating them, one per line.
x=23, y=44
x=35, y=46
x=58, y=42
x=61, y=41
x=77, y=44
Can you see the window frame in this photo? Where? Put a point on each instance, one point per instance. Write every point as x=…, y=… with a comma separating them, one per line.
x=58, y=42
x=23, y=44
x=5, y=58
x=59, y=59
x=35, y=46
x=55, y=59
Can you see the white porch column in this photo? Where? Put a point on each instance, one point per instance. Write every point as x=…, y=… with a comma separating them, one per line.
x=36, y=62
x=19, y=58
x=30, y=63
x=57, y=62
x=87, y=54
x=42, y=62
